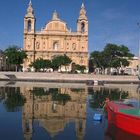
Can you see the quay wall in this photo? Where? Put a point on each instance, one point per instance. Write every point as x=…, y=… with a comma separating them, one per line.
x=70, y=78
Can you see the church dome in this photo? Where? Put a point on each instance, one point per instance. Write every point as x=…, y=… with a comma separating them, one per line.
x=56, y=24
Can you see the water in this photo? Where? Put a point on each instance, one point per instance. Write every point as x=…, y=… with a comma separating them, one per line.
x=51, y=112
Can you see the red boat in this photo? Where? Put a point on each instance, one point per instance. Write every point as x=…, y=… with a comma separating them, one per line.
x=114, y=133
x=124, y=117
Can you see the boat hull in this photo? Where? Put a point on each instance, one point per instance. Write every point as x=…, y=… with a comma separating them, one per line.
x=126, y=122
x=116, y=133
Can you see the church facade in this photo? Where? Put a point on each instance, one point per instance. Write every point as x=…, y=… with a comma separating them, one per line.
x=56, y=39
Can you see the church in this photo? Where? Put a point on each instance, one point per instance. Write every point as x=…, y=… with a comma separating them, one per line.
x=56, y=39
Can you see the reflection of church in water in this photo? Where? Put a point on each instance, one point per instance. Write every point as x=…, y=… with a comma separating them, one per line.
x=53, y=116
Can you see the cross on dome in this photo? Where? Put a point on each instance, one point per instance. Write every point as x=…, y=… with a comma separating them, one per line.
x=55, y=15
x=83, y=5
x=30, y=8
x=30, y=3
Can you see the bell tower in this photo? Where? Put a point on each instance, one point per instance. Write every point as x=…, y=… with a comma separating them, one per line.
x=82, y=22
x=29, y=34
x=29, y=20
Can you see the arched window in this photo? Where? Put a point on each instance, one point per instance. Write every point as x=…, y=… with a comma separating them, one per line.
x=82, y=27
x=55, y=46
x=29, y=25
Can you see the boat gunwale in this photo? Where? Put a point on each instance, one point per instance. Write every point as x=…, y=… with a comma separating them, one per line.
x=128, y=115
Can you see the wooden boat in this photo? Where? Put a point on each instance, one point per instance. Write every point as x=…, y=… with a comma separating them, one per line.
x=124, y=117
x=116, y=133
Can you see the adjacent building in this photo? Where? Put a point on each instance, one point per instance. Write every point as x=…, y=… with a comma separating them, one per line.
x=56, y=39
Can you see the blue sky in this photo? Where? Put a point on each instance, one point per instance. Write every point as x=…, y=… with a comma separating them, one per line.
x=110, y=21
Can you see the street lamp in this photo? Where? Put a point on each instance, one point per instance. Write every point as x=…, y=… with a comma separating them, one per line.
x=7, y=67
x=1, y=63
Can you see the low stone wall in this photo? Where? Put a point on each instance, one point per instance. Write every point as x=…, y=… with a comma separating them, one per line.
x=59, y=77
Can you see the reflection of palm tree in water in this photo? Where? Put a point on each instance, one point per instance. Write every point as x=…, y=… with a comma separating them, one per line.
x=98, y=98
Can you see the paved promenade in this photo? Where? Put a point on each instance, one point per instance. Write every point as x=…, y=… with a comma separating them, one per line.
x=58, y=77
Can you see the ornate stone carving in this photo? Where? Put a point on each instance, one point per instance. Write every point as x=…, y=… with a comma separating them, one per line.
x=37, y=45
x=73, y=46
x=44, y=45
x=29, y=42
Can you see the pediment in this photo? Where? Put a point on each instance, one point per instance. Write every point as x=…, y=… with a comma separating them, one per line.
x=56, y=25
